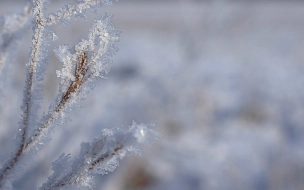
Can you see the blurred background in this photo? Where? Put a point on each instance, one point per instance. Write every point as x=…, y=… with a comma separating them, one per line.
x=221, y=80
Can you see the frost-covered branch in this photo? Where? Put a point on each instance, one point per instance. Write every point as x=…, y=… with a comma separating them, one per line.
x=98, y=157
x=29, y=101
x=88, y=60
x=78, y=8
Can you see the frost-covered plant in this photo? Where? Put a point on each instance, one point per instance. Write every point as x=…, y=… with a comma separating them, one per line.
x=83, y=64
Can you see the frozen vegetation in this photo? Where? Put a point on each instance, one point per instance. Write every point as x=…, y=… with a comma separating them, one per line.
x=83, y=64
x=222, y=81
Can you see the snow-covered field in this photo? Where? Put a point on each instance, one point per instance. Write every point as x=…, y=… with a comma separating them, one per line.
x=223, y=83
